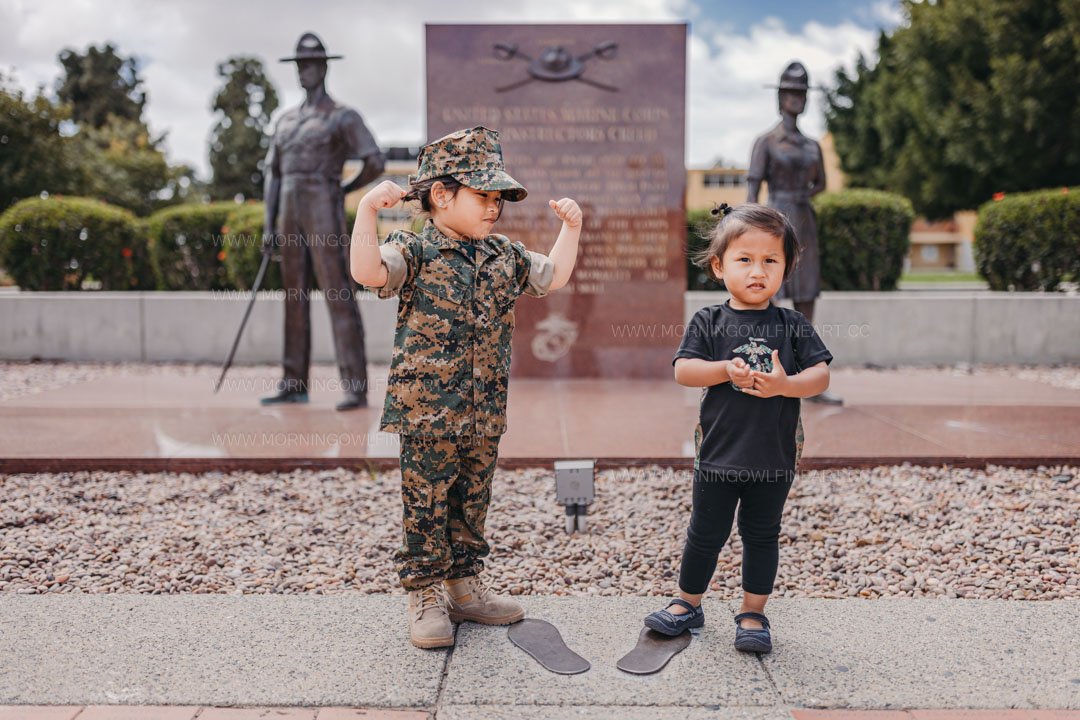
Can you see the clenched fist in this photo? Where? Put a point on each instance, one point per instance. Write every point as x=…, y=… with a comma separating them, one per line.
x=568, y=211
x=386, y=194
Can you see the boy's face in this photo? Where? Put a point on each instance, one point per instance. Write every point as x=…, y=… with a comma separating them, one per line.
x=471, y=213
x=752, y=269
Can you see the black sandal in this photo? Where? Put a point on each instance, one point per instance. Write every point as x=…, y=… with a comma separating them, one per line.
x=753, y=639
x=668, y=623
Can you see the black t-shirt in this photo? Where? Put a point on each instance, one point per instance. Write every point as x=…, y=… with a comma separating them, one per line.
x=741, y=432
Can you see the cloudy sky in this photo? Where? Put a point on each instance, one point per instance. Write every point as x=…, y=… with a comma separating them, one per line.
x=734, y=49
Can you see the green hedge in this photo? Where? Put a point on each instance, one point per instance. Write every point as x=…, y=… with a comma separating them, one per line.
x=1029, y=241
x=863, y=237
x=699, y=223
x=187, y=248
x=64, y=243
x=243, y=249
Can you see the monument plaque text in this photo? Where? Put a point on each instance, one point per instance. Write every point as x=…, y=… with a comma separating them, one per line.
x=596, y=113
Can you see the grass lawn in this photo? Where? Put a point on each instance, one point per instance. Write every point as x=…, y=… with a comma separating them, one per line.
x=940, y=277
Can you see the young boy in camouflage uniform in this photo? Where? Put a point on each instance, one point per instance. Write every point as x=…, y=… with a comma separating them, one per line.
x=457, y=284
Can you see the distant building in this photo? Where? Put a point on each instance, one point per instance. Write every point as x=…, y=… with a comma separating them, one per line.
x=708, y=187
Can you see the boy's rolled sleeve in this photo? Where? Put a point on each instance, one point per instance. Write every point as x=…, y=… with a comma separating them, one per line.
x=396, y=270
x=398, y=257
x=541, y=274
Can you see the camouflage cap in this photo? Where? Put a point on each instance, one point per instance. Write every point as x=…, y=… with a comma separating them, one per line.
x=473, y=157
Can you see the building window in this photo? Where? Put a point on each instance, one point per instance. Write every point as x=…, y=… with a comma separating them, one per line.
x=723, y=180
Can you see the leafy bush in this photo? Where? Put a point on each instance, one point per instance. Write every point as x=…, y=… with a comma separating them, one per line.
x=72, y=244
x=243, y=249
x=186, y=246
x=1029, y=241
x=699, y=223
x=863, y=236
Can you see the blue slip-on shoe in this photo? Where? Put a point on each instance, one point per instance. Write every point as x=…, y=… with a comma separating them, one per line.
x=671, y=624
x=753, y=639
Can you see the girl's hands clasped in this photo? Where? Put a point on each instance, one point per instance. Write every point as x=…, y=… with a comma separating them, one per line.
x=567, y=210
x=770, y=384
x=739, y=372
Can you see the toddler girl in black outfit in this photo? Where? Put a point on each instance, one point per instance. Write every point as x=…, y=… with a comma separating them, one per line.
x=754, y=361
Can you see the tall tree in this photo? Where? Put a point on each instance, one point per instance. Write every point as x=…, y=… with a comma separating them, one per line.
x=33, y=157
x=100, y=83
x=240, y=137
x=966, y=99
x=122, y=164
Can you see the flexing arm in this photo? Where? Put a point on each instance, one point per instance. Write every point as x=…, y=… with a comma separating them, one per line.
x=564, y=253
x=365, y=261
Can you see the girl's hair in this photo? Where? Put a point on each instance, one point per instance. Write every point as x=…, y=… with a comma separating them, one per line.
x=735, y=222
x=422, y=190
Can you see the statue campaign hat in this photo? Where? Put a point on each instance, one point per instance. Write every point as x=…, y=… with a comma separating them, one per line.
x=310, y=47
x=474, y=158
x=794, y=77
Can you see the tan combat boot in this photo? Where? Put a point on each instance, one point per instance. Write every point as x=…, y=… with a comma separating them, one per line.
x=471, y=599
x=429, y=625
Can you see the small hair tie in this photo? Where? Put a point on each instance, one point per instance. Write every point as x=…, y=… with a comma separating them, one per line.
x=721, y=210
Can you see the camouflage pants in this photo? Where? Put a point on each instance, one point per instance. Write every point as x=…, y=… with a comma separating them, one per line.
x=445, y=491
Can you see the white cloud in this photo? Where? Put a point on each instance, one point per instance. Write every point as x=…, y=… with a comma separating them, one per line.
x=884, y=13
x=729, y=105
x=382, y=74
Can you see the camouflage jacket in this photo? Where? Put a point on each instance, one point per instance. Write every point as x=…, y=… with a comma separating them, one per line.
x=455, y=318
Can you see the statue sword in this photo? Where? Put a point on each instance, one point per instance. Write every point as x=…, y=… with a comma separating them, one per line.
x=247, y=313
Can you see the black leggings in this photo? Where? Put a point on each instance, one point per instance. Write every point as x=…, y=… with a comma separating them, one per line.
x=760, y=503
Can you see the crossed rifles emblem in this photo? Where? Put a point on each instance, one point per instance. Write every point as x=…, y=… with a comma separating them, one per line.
x=556, y=64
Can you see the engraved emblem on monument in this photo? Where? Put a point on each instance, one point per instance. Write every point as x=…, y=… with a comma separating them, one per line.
x=556, y=64
x=554, y=337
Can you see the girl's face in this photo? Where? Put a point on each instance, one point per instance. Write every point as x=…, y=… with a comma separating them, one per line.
x=752, y=268
x=469, y=214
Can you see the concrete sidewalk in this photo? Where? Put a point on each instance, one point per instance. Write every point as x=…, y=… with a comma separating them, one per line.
x=352, y=651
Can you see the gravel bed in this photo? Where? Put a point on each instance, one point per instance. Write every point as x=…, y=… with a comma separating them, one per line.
x=898, y=531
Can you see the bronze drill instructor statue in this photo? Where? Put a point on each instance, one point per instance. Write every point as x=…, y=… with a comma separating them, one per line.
x=305, y=222
x=792, y=165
